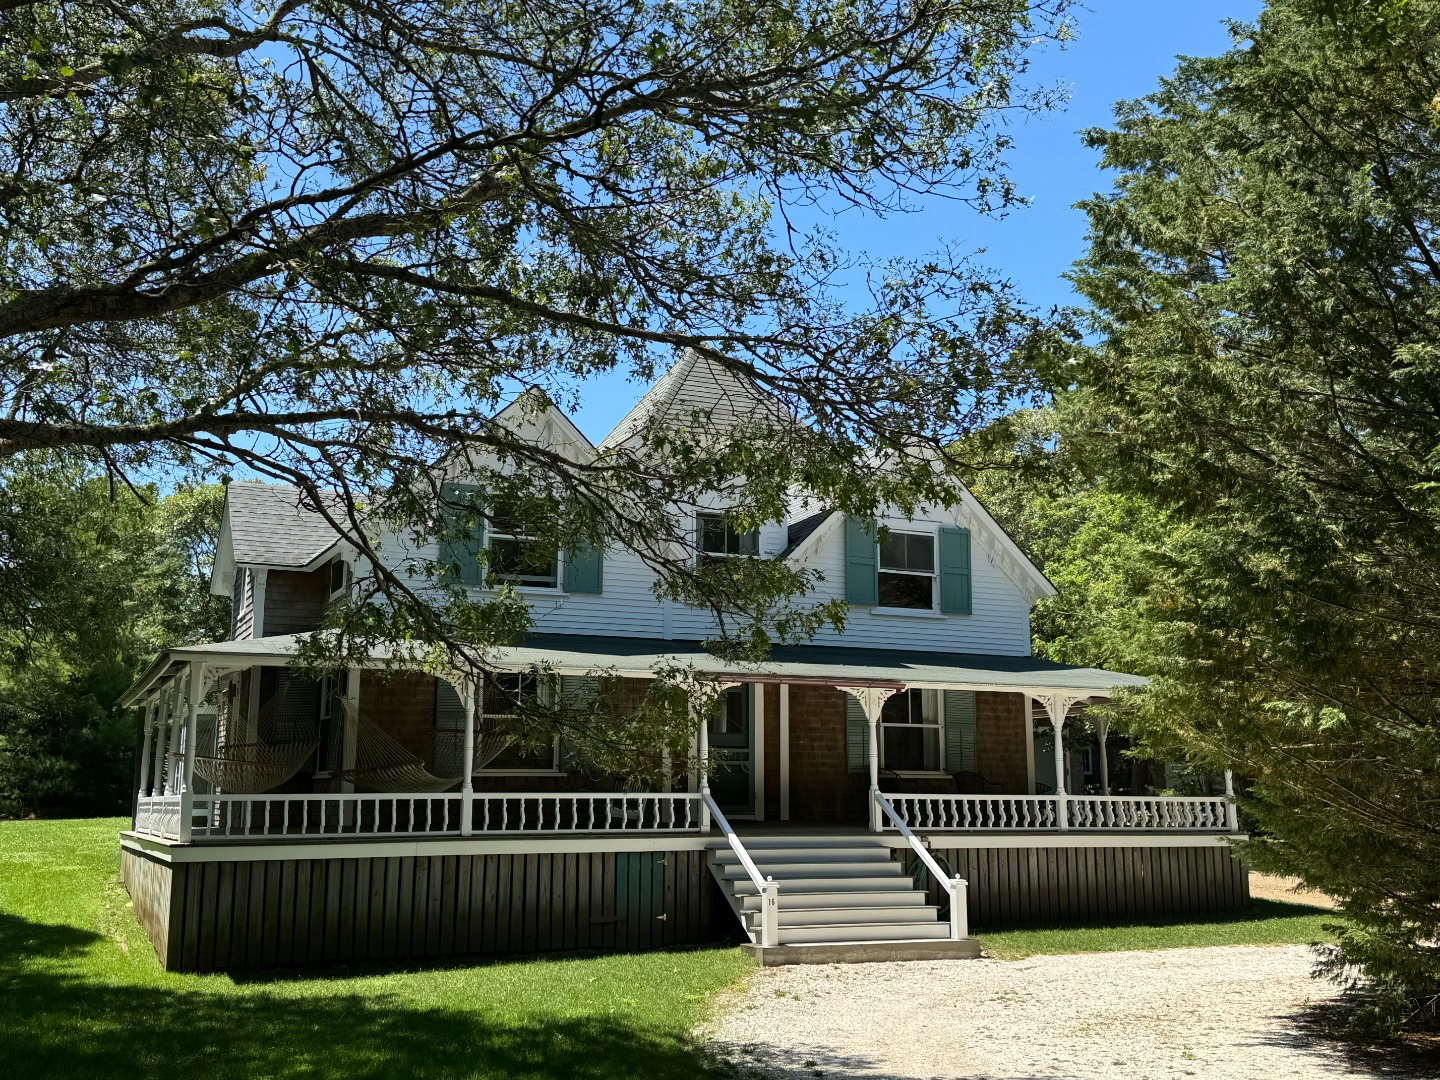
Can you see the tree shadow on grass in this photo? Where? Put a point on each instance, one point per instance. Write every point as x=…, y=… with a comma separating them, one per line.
x=57, y=1020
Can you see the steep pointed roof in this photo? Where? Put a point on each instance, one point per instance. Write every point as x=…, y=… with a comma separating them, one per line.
x=696, y=386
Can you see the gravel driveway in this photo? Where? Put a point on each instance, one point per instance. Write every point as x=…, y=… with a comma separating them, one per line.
x=1214, y=1013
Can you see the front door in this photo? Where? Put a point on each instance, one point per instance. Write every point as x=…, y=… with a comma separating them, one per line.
x=732, y=780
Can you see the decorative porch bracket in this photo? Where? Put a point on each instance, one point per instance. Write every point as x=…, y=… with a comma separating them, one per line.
x=872, y=700
x=1058, y=708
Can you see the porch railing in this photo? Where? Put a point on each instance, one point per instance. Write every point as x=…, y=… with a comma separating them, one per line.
x=1060, y=813
x=159, y=815
x=408, y=814
x=956, y=887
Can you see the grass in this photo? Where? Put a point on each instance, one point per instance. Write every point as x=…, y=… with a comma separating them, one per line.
x=81, y=995
x=1261, y=922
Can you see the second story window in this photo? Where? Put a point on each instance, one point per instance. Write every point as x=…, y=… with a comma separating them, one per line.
x=907, y=571
x=517, y=555
x=339, y=578
x=719, y=539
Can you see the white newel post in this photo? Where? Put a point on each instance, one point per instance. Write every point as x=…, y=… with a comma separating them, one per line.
x=872, y=700
x=1058, y=706
x=467, y=759
x=1232, y=817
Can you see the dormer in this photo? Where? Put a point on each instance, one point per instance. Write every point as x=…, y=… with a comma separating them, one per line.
x=278, y=560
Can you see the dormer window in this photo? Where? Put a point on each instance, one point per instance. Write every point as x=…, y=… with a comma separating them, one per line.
x=719, y=539
x=339, y=578
x=907, y=571
x=518, y=556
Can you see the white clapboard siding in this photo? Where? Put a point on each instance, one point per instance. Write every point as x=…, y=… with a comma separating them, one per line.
x=999, y=623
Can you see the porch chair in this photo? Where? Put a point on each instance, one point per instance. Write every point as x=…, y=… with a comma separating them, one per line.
x=969, y=782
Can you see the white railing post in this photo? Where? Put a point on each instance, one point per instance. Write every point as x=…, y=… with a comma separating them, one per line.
x=959, y=909
x=172, y=753
x=1232, y=817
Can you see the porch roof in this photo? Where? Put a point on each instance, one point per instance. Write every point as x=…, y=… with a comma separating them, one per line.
x=629, y=657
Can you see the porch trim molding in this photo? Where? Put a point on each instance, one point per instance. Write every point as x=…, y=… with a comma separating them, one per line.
x=169, y=851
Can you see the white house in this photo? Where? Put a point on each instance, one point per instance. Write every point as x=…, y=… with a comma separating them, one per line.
x=868, y=794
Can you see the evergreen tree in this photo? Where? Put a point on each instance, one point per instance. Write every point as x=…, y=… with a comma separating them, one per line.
x=1263, y=366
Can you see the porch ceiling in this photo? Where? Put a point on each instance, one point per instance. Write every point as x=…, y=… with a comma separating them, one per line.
x=627, y=657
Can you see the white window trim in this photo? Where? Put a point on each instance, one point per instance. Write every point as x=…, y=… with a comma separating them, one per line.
x=347, y=578
x=545, y=690
x=933, y=575
x=932, y=703
x=491, y=534
x=701, y=553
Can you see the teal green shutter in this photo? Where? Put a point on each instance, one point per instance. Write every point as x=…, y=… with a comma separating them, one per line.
x=959, y=731
x=955, y=571
x=577, y=692
x=861, y=585
x=857, y=737
x=585, y=570
x=460, y=551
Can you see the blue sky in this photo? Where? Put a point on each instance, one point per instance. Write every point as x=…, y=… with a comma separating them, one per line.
x=1122, y=48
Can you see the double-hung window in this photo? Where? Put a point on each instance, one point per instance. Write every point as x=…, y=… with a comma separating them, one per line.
x=339, y=577
x=517, y=555
x=719, y=539
x=907, y=571
x=503, y=700
x=911, y=732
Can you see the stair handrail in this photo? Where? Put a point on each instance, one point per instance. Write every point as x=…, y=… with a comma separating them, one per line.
x=956, y=886
x=768, y=888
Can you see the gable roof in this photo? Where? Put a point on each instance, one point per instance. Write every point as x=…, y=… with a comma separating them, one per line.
x=797, y=532
x=695, y=387
x=269, y=526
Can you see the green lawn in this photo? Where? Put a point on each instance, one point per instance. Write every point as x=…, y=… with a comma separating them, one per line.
x=81, y=995
x=1263, y=922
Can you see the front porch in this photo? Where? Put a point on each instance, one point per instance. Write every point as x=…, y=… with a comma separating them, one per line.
x=836, y=799
x=979, y=745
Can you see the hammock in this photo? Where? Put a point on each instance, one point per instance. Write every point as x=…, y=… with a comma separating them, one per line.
x=382, y=764
x=288, y=734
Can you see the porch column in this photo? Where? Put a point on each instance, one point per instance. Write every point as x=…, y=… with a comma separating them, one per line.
x=467, y=758
x=1058, y=706
x=757, y=753
x=702, y=763
x=872, y=700
x=784, y=751
x=145, y=746
x=350, y=734
x=192, y=724
x=195, y=690
x=1102, y=730
x=157, y=760
x=1232, y=817
x=172, y=755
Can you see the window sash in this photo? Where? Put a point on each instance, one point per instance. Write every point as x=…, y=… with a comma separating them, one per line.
x=500, y=688
x=920, y=720
x=718, y=538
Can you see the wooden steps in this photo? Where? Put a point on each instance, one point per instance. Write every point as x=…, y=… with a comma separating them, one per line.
x=843, y=895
